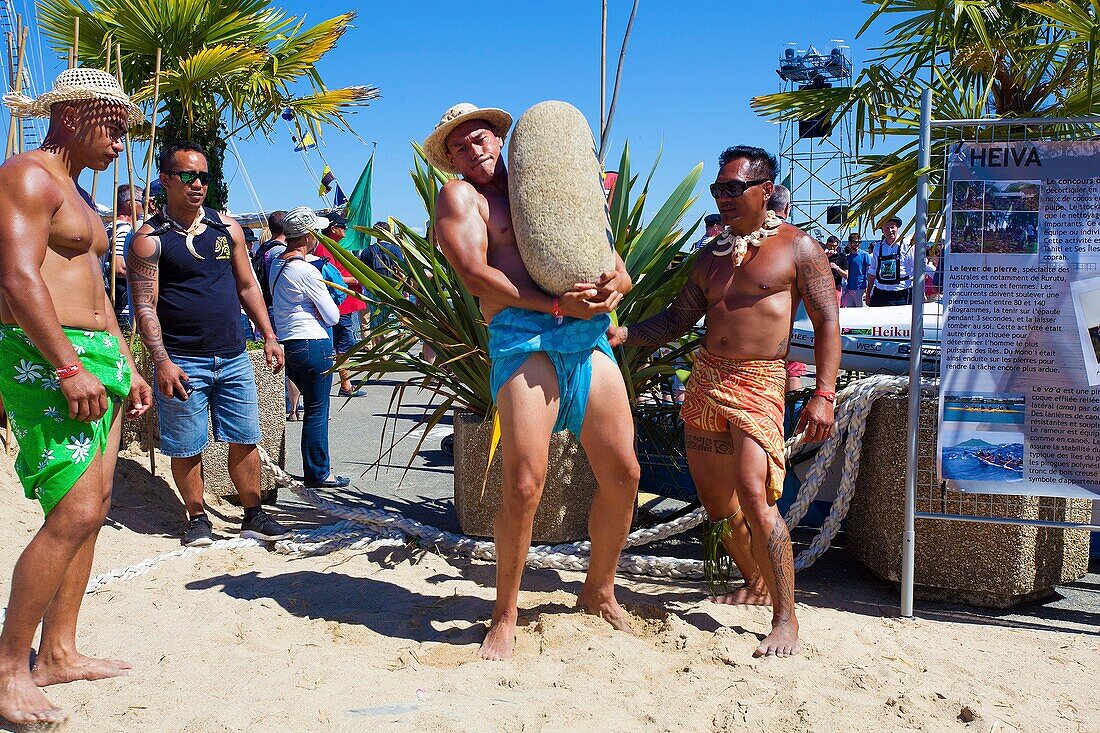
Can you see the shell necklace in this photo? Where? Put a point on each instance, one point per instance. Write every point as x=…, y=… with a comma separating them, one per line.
x=738, y=246
x=188, y=232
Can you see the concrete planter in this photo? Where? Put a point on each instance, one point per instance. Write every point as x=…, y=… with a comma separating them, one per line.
x=981, y=564
x=562, y=515
x=271, y=391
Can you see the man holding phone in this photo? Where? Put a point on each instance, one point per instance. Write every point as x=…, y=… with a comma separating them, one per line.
x=189, y=274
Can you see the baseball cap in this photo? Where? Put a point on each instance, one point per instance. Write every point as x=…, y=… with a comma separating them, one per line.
x=712, y=219
x=301, y=220
x=336, y=220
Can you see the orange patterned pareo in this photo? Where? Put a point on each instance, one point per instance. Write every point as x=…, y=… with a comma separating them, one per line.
x=746, y=393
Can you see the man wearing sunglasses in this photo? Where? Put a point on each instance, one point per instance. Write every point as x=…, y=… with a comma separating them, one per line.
x=189, y=275
x=747, y=284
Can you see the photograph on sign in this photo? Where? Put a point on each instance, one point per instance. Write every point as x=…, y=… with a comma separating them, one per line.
x=1012, y=196
x=1086, y=306
x=1010, y=233
x=983, y=437
x=966, y=232
x=968, y=196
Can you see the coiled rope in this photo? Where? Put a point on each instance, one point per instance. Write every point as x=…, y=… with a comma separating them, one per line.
x=365, y=528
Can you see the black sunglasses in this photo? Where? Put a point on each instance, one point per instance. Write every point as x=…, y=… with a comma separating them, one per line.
x=733, y=189
x=189, y=177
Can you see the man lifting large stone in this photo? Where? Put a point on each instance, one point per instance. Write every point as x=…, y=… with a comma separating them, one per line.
x=566, y=378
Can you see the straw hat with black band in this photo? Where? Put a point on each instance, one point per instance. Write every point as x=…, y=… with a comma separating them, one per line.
x=75, y=85
x=435, y=147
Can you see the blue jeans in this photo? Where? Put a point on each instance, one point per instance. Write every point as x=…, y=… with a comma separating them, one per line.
x=223, y=390
x=345, y=334
x=308, y=364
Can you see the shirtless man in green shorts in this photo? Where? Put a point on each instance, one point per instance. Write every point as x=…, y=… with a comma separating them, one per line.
x=552, y=368
x=64, y=370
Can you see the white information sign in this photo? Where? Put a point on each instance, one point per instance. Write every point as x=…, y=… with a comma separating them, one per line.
x=1020, y=361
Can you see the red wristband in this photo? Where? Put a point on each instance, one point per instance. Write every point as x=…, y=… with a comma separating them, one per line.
x=825, y=395
x=69, y=371
x=555, y=310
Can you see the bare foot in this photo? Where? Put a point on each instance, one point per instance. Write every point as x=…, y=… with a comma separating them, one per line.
x=501, y=638
x=51, y=671
x=752, y=593
x=608, y=609
x=22, y=703
x=782, y=642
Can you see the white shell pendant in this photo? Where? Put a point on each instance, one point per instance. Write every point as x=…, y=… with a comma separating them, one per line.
x=738, y=246
x=189, y=234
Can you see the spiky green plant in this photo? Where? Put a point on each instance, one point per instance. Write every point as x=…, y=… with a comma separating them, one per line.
x=431, y=305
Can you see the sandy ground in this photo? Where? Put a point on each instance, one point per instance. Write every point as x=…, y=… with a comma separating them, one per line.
x=366, y=641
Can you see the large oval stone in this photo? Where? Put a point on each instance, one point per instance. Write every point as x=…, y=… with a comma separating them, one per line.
x=558, y=206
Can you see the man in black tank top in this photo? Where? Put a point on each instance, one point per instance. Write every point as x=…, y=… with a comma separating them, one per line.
x=189, y=274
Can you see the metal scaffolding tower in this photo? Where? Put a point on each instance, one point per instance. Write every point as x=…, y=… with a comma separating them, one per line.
x=816, y=159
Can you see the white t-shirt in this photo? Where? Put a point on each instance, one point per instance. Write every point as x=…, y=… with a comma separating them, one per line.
x=299, y=298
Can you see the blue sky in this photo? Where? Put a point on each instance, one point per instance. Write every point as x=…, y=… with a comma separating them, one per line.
x=690, y=71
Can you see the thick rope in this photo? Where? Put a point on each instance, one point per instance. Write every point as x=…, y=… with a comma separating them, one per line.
x=853, y=405
x=363, y=528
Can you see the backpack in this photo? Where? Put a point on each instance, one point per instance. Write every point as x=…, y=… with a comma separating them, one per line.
x=383, y=258
x=259, y=266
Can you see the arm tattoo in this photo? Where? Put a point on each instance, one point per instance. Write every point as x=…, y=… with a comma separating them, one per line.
x=815, y=280
x=142, y=273
x=781, y=556
x=673, y=322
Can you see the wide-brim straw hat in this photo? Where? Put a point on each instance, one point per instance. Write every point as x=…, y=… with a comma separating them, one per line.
x=74, y=85
x=435, y=147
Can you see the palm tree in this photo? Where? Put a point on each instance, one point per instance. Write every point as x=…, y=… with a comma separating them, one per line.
x=981, y=58
x=229, y=66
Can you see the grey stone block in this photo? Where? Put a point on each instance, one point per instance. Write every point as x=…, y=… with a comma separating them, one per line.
x=562, y=515
x=993, y=565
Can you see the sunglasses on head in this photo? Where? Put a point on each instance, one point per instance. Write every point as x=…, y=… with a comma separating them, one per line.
x=733, y=189
x=189, y=177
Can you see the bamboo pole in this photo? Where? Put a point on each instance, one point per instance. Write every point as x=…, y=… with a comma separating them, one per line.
x=133, y=220
x=95, y=174
x=152, y=134
x=603, y=69
x=615, y=90
x=20, y=34
x=14, y=127
x=74, y=58
x=111, y=264
x=21, y=146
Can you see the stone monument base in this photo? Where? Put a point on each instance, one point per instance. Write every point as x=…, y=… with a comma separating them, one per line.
x=981, y=564
x=562, y=515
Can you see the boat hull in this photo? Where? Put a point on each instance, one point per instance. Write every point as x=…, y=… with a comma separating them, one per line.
x=874, y=340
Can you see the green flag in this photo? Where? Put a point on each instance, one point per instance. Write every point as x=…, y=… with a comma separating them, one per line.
x=359, y=211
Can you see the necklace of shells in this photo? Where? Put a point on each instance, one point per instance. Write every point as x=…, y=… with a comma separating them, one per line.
x=188, y=232
x=728, y=243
